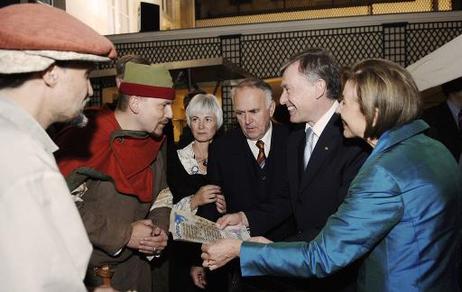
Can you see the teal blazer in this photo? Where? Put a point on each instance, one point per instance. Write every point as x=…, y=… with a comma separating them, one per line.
x=402, y=214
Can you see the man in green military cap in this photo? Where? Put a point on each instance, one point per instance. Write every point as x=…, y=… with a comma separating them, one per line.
x=115, y=168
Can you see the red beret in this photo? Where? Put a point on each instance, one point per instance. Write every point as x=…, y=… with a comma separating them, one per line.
x=42, y=27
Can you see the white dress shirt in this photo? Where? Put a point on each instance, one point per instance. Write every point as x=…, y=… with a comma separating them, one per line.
x=321, y=124
x=266, y=139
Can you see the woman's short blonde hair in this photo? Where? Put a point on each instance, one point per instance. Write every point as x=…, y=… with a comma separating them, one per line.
x=388, y=89
x=204, y=104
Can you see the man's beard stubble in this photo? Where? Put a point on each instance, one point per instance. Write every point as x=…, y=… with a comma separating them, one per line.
x=80, y=121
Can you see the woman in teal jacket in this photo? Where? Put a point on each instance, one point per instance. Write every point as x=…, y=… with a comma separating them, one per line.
x=403, y=209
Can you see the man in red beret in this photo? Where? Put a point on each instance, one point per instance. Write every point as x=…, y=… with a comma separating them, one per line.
x=115, y=167
x=45, y=59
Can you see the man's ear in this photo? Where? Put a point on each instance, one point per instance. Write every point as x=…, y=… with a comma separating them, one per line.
x=321, y=88
x=51, y=75
x=134, y=104
x=272, y=108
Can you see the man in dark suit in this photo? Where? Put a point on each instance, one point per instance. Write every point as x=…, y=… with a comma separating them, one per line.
x=251, y=175
x=445, y=119
x=320, y=162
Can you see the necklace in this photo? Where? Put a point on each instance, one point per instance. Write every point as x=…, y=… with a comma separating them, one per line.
x=203, y=160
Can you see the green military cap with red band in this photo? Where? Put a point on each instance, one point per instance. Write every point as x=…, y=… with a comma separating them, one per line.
x=147, y=81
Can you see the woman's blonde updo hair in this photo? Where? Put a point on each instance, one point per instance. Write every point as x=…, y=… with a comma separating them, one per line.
x=388, y=89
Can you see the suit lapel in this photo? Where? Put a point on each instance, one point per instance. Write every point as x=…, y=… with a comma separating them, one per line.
x=323, y=149
x=445, y=118
x=275, y=142
x=448, y=120
x=295, y=160
x=242, y=151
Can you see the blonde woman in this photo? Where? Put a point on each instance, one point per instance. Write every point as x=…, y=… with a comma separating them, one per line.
x=402, y=211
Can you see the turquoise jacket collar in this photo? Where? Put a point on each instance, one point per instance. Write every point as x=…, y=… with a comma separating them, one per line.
x=395, y=136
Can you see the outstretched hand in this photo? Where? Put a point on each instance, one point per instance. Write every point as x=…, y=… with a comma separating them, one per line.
x=260, y=239
x=232, y=220
x=218, y=253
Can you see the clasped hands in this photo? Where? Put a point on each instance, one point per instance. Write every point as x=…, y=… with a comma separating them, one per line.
x=147, y=238
x=209, y=194
x=218, y=253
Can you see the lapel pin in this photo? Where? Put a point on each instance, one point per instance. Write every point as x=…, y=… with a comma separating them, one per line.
x=326, y=148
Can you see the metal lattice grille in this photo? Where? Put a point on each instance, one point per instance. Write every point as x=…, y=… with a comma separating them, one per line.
x=231, y=48
x=229, y=119
x=172, y=50
x=424, y=38
x=95, y=100
x=263, y=54
x=394, y=40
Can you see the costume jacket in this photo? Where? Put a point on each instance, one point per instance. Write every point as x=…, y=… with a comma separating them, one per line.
x=402, y=212
x=115, y=176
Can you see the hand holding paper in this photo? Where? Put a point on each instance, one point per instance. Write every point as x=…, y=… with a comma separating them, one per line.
x=189, y=227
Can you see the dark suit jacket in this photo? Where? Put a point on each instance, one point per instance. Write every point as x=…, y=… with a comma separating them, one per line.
x=443, y=128
x=248, y=188
x=317, y=191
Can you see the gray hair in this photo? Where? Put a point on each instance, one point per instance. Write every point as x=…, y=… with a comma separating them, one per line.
x=255, y=83
x=203, y=104
x=317, y=63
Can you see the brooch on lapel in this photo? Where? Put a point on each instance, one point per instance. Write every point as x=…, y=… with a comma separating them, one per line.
x=195, y=169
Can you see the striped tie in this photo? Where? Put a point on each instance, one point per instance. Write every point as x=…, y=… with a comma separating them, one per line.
x=261, y=158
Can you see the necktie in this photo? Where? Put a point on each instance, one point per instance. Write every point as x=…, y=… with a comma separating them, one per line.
x=459, y=116
x=308, y=145
x=261, y=158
